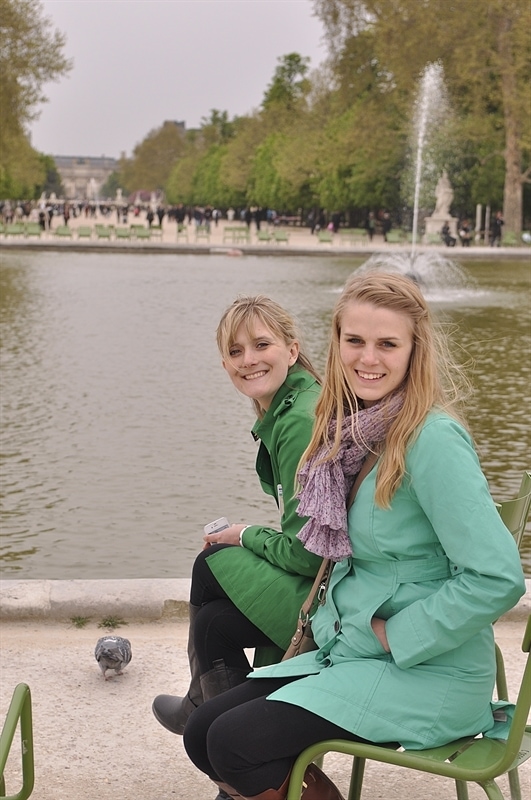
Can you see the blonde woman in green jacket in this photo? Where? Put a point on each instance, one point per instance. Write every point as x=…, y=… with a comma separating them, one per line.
x=250, y=581
x=424, y=564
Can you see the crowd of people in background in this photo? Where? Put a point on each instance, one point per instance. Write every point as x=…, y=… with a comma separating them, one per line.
x=52, y=212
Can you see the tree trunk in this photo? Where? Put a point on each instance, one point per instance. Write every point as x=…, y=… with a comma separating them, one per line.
x=512, y=190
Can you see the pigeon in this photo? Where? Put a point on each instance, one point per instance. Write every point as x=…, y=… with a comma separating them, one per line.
x=113, y=652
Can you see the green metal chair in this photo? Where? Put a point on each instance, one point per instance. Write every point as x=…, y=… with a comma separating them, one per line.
x=465, y=760
x=202, y=232
x=19, y=709
x=63, y=232
x=515, y=512
x=84, y=232
x=142, y=233
x=182, y=232
x=281, y=236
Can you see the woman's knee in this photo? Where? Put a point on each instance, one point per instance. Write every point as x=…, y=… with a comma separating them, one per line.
x=204, y=585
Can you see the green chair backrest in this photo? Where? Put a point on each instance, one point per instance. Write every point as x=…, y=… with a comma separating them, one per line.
x=515, y=512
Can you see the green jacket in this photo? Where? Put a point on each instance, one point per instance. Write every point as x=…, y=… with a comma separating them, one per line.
x=440, y=566
x=270, y=576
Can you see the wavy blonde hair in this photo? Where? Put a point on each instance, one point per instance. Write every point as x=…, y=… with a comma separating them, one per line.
x=247, y=310
x=433, y=378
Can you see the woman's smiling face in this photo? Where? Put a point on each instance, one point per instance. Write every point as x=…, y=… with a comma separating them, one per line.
x=375, y=347
x=258, y=362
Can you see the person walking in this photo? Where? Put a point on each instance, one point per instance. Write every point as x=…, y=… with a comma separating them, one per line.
x=496, y=230
x=423, y=563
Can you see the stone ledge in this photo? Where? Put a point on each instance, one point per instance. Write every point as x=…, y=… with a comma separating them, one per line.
x=136, y=599
x=139, y=599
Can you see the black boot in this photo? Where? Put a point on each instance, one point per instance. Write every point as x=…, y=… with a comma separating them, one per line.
x=220, y=679
x=173, y=712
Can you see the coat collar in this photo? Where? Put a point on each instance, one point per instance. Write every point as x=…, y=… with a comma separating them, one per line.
x=298, y=380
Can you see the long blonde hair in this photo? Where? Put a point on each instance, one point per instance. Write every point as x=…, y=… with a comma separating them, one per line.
x=433, y=378
x=247, y=310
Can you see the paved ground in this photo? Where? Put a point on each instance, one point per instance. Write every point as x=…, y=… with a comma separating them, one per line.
x=99, y=739
x=301, y=242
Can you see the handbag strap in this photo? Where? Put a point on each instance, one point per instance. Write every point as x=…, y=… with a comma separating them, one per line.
x=366, y=467
x=318, y=588
x=320, y=584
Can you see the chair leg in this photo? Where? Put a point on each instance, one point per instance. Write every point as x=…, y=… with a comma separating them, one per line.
x=492, y=790
x=356, y=778
x=514, y=784
x=461, y=789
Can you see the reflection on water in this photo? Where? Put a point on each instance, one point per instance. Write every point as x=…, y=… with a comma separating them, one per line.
x=122, y=436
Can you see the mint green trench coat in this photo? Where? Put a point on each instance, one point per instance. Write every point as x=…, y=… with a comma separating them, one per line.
x=269, y=578
x=440, y=567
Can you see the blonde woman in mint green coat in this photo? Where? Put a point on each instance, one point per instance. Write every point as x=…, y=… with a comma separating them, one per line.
x=424, y=565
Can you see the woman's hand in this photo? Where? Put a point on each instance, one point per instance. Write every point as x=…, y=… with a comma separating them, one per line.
x=228, y=536
x=378, y=627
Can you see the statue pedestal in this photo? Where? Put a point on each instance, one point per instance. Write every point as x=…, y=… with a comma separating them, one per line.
x=434, y=224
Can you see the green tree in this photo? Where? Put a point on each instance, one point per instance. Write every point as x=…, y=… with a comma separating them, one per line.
x=52, y=179
x=180, y=184
x=217, y=128
x=112, y=184
x=153, y=159
x=379, y=47
x=289, y=85
x=31, y=54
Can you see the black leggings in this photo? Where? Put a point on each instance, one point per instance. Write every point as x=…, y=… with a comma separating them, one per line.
x=221, y=631
x=251, y=743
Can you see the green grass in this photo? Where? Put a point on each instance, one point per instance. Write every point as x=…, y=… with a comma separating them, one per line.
x=79, y=622
x=111, y=622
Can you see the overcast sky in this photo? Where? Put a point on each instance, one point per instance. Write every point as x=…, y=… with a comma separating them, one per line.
x=140, y=62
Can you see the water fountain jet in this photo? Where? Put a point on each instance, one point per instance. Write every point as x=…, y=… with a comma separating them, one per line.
x=431, y=111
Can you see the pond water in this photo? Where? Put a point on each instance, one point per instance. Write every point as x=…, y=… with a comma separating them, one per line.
x=122, y=435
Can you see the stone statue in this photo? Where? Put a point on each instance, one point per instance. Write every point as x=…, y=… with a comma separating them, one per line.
x=444, y=195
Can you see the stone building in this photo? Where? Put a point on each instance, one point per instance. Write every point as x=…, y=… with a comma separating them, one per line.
x=83, y=176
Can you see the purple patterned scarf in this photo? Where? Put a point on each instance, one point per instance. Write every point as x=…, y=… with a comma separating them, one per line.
x=326, y=486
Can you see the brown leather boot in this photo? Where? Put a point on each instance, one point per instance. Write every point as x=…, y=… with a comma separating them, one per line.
x=229, y=791
x=318, y=786
x=315, y=786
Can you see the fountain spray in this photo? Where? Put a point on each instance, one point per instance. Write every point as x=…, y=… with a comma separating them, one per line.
x=431, y=108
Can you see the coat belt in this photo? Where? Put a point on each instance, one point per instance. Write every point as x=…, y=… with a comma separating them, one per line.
x=416, y=570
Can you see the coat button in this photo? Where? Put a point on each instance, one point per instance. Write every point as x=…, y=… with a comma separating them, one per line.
x=337, y=626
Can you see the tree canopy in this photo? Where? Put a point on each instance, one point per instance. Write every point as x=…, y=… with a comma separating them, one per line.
x=31, y=54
